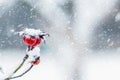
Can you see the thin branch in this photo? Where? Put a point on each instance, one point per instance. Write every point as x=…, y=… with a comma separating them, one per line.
x=21, y=64
x=22, y=73
x=18, y=67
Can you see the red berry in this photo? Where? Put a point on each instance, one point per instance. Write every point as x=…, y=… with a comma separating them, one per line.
x=38, y=41
x=31, y=41
x=36, y=62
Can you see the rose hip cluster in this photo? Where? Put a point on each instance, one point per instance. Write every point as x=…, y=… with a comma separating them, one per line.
x=33, y=39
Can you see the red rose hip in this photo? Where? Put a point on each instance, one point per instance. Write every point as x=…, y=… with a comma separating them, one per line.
x=31, y=41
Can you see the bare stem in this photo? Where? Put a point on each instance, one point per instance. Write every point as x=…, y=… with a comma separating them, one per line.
x=22, y=73
x=17, y=67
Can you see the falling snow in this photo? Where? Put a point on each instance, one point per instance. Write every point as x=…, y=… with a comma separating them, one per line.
x=84, y=42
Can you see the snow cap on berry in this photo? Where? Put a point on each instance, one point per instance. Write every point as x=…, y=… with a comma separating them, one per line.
x=30, y=31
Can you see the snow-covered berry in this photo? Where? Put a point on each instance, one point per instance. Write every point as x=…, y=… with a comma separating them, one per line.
x=34, y=54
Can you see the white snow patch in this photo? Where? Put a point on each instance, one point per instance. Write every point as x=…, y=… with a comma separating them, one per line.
x=102, y=67
x=117, y=17
x=33, y=54
x=12, y=30
x=30, y=31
